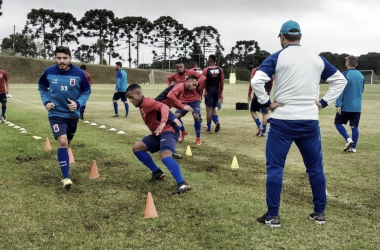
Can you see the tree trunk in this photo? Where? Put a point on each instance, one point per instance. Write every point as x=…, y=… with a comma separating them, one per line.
x=129, y=51
x=137, y=49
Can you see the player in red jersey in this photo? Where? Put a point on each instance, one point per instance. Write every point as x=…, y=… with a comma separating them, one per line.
x=256, y=106
x=4, y=88
x=194, y=67
x=82, y=109
x=214, y=87
x=164, y=137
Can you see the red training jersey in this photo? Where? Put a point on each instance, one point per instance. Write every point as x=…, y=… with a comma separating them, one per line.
x=268, y=85
x=188, y=96
x=197, y=69
x=4, y=82
x=88, y=78
x=154, y=113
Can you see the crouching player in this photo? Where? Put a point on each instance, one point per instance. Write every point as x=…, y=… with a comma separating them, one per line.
x=164, y=137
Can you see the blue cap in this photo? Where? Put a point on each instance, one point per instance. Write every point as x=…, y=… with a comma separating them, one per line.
x=287, y=26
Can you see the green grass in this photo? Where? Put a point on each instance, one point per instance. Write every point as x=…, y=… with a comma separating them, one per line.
x=219, y=213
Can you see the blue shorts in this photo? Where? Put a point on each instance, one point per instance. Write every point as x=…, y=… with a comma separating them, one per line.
x=3, y=98
x=257, y=107
x=120, y=95
x=212, y=100
x=344, y=117
x=63, y=126
x=165, y=141
x=196, y=106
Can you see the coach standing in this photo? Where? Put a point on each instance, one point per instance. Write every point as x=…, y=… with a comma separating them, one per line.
x=295, y=116
x=120, y=90
x=4, y=88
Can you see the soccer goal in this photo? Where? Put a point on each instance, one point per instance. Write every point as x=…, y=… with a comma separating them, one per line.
x=370, y=77
x=158, y=76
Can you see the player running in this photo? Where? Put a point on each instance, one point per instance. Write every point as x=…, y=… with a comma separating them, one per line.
x=163, y=138
x=120, y=88
x=4, y=88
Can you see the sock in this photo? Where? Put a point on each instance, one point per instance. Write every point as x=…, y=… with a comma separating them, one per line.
x=115, y=107
x=258, y=123
x=215, y=119
x=264, y=129
x=63, y=159
x=174, y=169
x=197, y=127
x=209, y=126
x=126, y=108
x=147, y=160
x=183, y=127
x=342, y=131
x=355, y=136
x=3, y=109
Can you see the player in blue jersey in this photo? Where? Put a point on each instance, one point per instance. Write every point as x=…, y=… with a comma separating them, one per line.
x=120, y=90
x=294, y=116
x=349, y=104
x=64, y=88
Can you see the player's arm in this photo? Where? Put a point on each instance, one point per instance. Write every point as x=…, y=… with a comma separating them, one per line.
x=85, y=92
x=118, y=80
x=337, y=83
x=338, y=101
x=262, y=75
x=170, y=79
x=250, y=86
x=6, y=82
x=43, y=88
x=221, y=83
x=172, y=96
x=89, y=79
x=164, y=110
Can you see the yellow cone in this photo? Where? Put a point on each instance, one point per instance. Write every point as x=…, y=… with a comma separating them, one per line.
x=235, y=163
x=188, y=151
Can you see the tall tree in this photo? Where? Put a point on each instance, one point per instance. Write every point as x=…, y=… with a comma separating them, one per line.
x=38, y=23
x=370, y=61
x=84, y=53
x=64, y=27
x=245, y=53
x=23, y=44
x=1, y=3
x=208, y=38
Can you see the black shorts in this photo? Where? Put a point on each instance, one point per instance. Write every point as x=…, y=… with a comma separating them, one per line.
x=257, y=107
x=120, y=95
x=3, y=98
x=63, y=126
x=211, y=100
x=344, y=117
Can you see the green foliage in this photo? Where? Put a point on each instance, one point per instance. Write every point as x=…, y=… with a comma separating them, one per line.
x=1, y=3
x=23, y=44
x=84, y=53
x=208, y=38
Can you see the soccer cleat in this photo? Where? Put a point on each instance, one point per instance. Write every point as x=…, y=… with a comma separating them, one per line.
x=217, y=127
x=177, y=156
x=182, y=188
x=198, y=141
x=273, y=222
x=259, y=130
x=114, y=115
x=67, y=183
x=348, y=146
x=352, y=150
x=208, y=131
x=182, y=136
x=157, y=177
x=262, y=135
x=3, y=119
x=125, y=115
x=319, y=218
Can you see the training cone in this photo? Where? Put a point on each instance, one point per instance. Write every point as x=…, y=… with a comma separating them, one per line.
x=150, y=208
x=47, y=144
x=235, y=163
x=71, y=156
x=188, y=151
x=94, y=171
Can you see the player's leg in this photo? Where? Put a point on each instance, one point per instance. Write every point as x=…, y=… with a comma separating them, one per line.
x=354, y=123
x=167, y=147
x=3, y=99
x=341, y=119
x=115, y=98
x=81, y=111
x=208, y=103
x=149, y=143
x=277, y=148
x=181, y=113
x=215, y=117
x=255, y=107
x=264, y=112
x=309, y=144
x=196, y=106
x=124, y=100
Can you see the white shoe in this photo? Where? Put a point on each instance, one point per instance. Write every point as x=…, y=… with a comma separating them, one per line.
x=349, y=144
x=352, y=150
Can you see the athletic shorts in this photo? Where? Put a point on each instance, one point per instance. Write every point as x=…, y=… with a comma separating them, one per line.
x=120, y=95
x=3, y=98
x=344, y=117
x=211, y=100
x=63, y=126
x=196, y=106
x=165, y=141
x=257, y=107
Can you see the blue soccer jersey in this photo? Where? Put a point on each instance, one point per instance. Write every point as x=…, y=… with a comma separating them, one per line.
x=58, y=86
x=121, y=81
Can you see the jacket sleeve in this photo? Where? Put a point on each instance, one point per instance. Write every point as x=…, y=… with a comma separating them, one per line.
x=172, y=95
x=118, y=80
x=85, y=92
x=43, y=88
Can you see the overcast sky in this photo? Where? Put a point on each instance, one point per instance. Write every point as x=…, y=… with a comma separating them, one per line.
x=349, y=26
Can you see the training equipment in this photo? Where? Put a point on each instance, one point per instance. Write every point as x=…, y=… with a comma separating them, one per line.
x=7, y=122
x=94, y=171
x=112, y=129
x=9, y=95
x=10, y=125
x=16, y=127
x=273, y=222
x=121, y=133
x=234, y=164
x=86, y=122
x=23, y=132
x=22, y=129
x=93, y=124
x=102, y=126
x=182, y=188
x=37, y=137
x=47, y=144
x=71, y=156
x=150, y=208
x=158, y=76
x=370, y=77
x=242, y=106
x=188, y=151
x=319, y=218
x=67, y=183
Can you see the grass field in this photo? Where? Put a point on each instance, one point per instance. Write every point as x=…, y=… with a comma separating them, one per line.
x=219, y=213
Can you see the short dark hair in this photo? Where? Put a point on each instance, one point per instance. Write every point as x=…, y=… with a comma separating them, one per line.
x=213, y=57
x=293, y=38
x=192, y=77
x=352, y=61
x=62, y=49
x=262, y=59
x=83, y=67
x=119, y=64
x=132, y=87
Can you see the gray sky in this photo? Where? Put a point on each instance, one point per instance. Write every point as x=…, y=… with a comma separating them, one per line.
x=337, y=26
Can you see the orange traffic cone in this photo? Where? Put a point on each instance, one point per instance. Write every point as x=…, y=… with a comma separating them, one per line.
x=47, y=144
x=71, y=156
x=150, y=208
x=94, y=171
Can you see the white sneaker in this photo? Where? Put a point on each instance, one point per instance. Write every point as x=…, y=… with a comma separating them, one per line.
x=352, y=150
x=349, y=144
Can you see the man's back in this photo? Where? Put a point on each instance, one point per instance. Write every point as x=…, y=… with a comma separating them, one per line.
x=351, y=98
x=3, y=81
x=121, y=77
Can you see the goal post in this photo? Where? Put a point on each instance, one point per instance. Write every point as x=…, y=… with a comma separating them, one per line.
x=158, y=76
x=370, y=77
